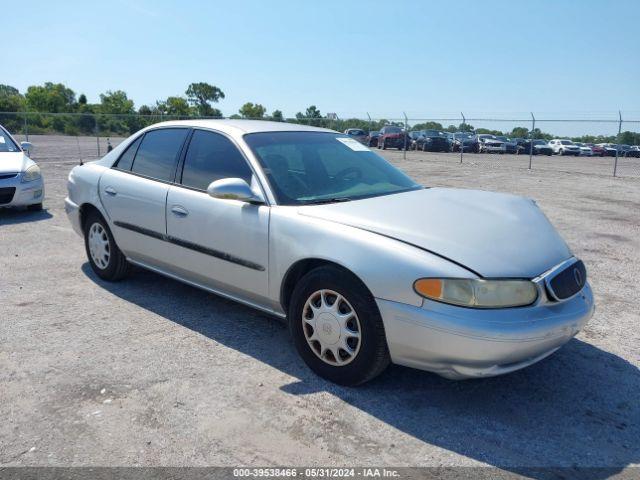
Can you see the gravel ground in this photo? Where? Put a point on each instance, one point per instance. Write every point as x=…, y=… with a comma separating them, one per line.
x=153, y=372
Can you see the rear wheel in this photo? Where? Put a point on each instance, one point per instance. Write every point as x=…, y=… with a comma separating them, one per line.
x=337, y=328
x=105, y=258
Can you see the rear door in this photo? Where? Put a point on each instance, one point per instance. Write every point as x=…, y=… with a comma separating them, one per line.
x=222, y=244
x=134, y=193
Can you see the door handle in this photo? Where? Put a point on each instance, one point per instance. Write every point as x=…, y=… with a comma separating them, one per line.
x=180, y=211
x=111, y=191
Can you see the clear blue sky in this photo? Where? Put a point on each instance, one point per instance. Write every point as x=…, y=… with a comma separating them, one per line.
x=560, y=58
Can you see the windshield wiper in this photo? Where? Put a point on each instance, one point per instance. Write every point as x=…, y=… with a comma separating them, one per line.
x=320, y=201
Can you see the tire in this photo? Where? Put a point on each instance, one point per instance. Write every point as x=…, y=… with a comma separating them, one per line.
x=371, y=355
x=115, y=266
x=35, y=208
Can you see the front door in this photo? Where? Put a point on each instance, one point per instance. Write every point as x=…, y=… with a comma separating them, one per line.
x=222, y=244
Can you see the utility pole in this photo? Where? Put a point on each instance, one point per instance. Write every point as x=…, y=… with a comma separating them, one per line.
x=615, y=165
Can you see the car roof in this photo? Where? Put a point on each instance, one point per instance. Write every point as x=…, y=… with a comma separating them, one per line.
x=241, y=127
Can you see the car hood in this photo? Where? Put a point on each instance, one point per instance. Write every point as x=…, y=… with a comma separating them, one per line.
x=11, y=162
x=492, y=234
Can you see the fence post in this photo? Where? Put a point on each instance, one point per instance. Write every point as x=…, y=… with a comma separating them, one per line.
x=97, y=138
x=370, y=123
x=615, y=165
x=406, y=133
x=533, y=127
x=26, y=127
x=464, y=122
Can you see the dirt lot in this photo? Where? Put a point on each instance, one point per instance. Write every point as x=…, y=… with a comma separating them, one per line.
x=153, y=372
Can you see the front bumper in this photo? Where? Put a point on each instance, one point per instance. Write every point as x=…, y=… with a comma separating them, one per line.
x=73, y=214
x=459, y=343
x=14, y=193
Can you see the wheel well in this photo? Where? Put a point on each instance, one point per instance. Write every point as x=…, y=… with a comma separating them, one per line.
x=85, y=210
x=299, y=270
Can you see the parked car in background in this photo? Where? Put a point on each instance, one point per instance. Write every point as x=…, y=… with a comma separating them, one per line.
x=597, y=150
x=357, y=134
x=432, y=141
x=540, y=147
x=488, y=143
x=366, y=266
x=510, y=146
x=464, y=140
x=21, y=183
x=372, y=138
x=585, y=150
x=634, y=151
x=610, y=149
x=564, y=146
x=392, y=136
x=624, y=150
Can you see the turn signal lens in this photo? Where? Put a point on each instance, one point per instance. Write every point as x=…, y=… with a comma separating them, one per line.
x=429, y=287
x=477, y=293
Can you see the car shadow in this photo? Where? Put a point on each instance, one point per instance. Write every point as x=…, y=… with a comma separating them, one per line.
x=576, y=409
x=13, y=216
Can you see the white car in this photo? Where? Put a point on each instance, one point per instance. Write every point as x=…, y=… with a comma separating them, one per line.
x=21, y=183
x=307, y=224
x=585, y=150
x=563, y=146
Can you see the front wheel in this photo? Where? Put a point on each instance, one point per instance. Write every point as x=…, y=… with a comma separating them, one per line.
x=105, y=258
x=337, y=328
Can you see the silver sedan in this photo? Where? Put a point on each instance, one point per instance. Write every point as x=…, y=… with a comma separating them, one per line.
x=307, y=224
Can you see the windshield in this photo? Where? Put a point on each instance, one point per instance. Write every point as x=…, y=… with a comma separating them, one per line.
x=311, y=167
x=355, y=133
x=6, y=143
x=539, y=142
x=566, y=142
x=501, y=138
x=392, y=130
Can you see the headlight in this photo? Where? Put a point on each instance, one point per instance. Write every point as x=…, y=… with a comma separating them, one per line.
x=477, y=293
x=32, y=173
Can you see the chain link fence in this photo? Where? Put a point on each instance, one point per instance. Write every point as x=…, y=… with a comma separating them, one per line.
x=75, y=137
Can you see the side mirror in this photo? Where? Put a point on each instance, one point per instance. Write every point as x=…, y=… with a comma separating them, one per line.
x=234, y=189
x=26, y=146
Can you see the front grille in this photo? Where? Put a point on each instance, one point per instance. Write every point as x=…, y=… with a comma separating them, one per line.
x=6, y=194
x=5, y=176
x=568, y=282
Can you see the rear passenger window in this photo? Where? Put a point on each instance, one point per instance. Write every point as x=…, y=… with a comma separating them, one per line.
x=126, y=159
x=211, y=157
x=158, y=153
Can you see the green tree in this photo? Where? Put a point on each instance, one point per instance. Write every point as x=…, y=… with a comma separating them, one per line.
x=82, y=99
x=277, y=116
x=50, y=98
x=116, y=102
x=519, y=132
x=174, y=106
x=200, y=96
x=252, y=110
x=11, y=101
